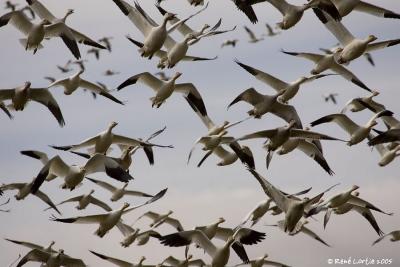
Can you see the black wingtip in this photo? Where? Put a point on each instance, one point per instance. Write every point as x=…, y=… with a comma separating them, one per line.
x=249, y=69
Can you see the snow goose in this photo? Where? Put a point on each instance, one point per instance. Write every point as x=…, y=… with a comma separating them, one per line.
x=392, y=135
x=252, y=37
x=270, y=31
x=263, y=104
x=164, y=89
x=301, y=229
x=131, y=235
x=345, y=7
x=30, y=245
x=387, y=153
x=155, y=35
x=51, y=259
x=107, y=220
x=10, y=5
x=219, y=255
x=308, y=148
x=73, y=175
x=278, y=136
x=176, y=52
x=332, y=51
x=85, y=200
x=330, y=97
x=352, y=47
x=395, y=236
x=35, y=33
x=293, y=207
x=107, y=43
x=44, y=13
x=74, y=82
x=289, y=89
x=24, y=189
x=325, y=62
x=111, y=72
x=360, y=103
x=184, y=263
x=80, y=63
x=95, y=52
x=66, y=67
x=229, y=42
x=158, y=219
x=118, y=193
x=5, y=109
x=257, y=212
x=20, y=96
x=122, y=263
x=261, y=261
x=357, y=132
x=292, y=14
x=102, y=141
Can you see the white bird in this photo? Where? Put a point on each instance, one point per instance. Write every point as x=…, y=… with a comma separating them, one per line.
x=155, y=35
x=131, y=235
x=325, y=62
x=270, y=31
x=357, y=132
x=330, y=97
x=36, y=33
x=387, y=153
x=158, y=219
x=122, y=263
x=229, y=42
x=332, y=51
x=164, y=89
x=22, y=95
x=103, y=140
x=118, y=193
x=107, y=220
x=25, y=189
x=51, y=259
x=85, y=200
x=352, y=47
x=219, y=255
x=252, y=37
x=74, y=82
x=289, y=89
x=30, y=245
x=395, y=236
x=184, y=263
x=360, y=103
x=346, y=7
x=261, y=261
x=44, y=13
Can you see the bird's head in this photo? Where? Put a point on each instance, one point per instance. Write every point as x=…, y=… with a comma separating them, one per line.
x=169, y=16
x=177, y=75
x=113, y=124
x=371, y=38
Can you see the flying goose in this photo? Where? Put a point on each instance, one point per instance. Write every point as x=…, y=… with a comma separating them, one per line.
x=395, y=236
x=263, y=104
x=360, y=103
x=73, y=174
x=252, y=37
x=107, y=220
x=44, y=13
x=24, y=189
x=35, y=33
x=289, y=89
x=122, y=263
x=357, y=132
x=270, y=31
x=301, y=229
x=257, y=212
x=164, y=89
x=219, y=255
x=325, y=62
x=184, y=263
x=261, y=261
x=294, y=208
x=131, y=235
x=85, y=200
x=155, y=35
x=110, y=72
x=30, y=245
x=53, y=259
x=352, y=47
x=330, y=97
x=332, y=51
x=11, y=5
x=387, y=153
x=107, y=43
x=80, y=63
x=365, y=212
x=74, y=82
x=4, y=108
x=118, y=193
x=103, y=140
x=95, y=52
x=229, y=42
x=176, y=53
x=21, y=95
x=292, y=14
x=346, y=7
x=158, y=219
x=66, y=68
x=279, y=136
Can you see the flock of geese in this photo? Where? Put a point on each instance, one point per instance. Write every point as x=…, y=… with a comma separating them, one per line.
x=39, y=25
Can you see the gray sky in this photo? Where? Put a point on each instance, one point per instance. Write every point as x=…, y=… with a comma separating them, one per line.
x=230, y=191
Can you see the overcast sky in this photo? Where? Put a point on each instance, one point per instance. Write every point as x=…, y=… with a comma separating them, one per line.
x=198, y=196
